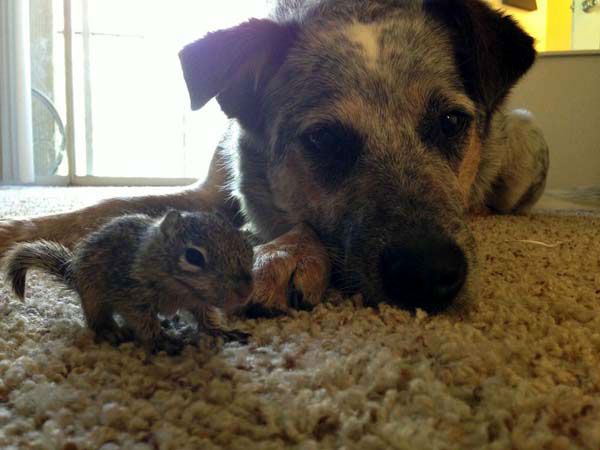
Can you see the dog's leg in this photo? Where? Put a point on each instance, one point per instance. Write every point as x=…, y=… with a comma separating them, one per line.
x=522, y=165
x=68, y=228
x=290, y=272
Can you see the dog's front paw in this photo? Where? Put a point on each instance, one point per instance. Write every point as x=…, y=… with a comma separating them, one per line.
x=13, y=231
x=291, y=272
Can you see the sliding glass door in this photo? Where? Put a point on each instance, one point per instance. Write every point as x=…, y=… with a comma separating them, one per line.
x=109, y=101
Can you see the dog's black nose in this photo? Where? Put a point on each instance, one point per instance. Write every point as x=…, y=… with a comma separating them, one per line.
x=424, y=273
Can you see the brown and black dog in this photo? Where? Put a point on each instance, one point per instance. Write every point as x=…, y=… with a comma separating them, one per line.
x=363, y=132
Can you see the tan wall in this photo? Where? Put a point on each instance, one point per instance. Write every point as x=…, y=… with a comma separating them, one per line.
x=563, y=91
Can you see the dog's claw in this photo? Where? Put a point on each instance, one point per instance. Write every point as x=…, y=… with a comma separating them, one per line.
x=291, y=272
x=296, y=298
x=257, y=310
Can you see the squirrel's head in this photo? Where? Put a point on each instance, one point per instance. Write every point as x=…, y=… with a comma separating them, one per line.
x=205, y=254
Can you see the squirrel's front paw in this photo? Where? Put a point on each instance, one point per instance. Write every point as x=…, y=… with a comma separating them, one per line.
x=231, y=335
x=291, y=272
x=115, y=335
x=213, y=322
x=167, y=343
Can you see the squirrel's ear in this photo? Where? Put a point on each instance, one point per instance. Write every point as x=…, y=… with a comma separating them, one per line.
x=171, y=223
x=235, y=65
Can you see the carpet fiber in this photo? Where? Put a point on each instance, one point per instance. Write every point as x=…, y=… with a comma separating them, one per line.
x=520, y=369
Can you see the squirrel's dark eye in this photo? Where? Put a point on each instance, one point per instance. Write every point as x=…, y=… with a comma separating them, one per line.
x=195, y=258
x=453, y=123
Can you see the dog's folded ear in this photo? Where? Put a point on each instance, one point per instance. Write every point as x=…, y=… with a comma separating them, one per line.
x=235, y=64
x=492, y=51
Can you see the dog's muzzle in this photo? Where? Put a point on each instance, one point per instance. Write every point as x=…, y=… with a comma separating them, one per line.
x=427, y=273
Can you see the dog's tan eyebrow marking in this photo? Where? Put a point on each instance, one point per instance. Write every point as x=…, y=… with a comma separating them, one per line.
x=454, y=100
x=464, y=102
x=367, y=37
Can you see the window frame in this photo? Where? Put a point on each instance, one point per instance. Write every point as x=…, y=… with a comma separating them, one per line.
x=71, y=178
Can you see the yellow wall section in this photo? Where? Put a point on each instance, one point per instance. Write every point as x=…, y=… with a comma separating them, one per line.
x=535, y=22
x=551, y=24
x=560, y=25
x=586, y=35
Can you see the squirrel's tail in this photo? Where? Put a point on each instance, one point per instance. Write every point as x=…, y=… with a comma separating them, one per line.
x=50, y=257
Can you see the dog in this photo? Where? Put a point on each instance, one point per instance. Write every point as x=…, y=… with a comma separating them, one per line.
x=363, y=133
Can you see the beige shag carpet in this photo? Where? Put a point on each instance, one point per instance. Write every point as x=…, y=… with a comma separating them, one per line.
x=520, y=370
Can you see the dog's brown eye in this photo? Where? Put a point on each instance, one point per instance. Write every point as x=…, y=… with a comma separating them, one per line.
x=333, y=149
x=322, y=140
x=195, y=258
x=454, y=123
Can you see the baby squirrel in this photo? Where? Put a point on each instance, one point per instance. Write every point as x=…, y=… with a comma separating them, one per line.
x=138, y=266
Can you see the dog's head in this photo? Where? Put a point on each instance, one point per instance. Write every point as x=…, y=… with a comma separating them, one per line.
x=366, y=120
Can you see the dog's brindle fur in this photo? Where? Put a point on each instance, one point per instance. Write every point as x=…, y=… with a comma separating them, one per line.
x=366, y=128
